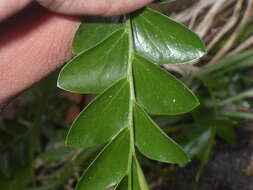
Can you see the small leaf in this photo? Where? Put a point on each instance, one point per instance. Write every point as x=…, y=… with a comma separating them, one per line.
x=159, y=92
x=96, y=69
x=153, y=142
x=139, y=181
x=110, y=166
x=104, y=118
x=201, y=144
x=163, y=40
x=90, y=34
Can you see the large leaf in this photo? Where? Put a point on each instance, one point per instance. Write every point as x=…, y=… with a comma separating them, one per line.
x=110, y=166
x=139, y=181
x=160, y=92
x=153, y=142
x=90, y=34
x=163, y=40
x=104, y=118
x=96, y=69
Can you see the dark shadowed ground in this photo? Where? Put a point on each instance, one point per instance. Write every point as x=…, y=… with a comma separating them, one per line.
x=231, y=168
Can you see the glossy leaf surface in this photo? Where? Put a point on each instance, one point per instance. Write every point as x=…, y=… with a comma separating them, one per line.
x=153, y=142
x=104, y=118
x=139, y=181
x=97, y=68
x=110, y=166
x=163, y=40
x=90, y=34
x=160, y=92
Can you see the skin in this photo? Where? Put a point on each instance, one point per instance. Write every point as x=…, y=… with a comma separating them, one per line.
x=36, y=37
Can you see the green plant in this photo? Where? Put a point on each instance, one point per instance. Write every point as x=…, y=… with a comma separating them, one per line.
x=120, y=61
x=33, y=154
x=23, y=134
x=225, y=105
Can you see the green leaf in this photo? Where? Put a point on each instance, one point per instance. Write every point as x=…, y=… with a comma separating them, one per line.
x=104, y=118
x=163, y=40
x=202, y=144
x=160, y=92
x=205, y=154
x=139, y=181
x=153, y=142
x=90, y=34
x=110, y=166
x=96, y=69
x=137, y=178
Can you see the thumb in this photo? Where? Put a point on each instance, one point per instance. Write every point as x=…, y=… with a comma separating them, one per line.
x=93, y=7
x=10, y=7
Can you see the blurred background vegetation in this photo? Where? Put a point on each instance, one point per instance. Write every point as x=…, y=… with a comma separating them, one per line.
x=218, y=135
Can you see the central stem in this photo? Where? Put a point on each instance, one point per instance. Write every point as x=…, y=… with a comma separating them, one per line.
x=130, y=59
x=132, y=96
x=130, y=78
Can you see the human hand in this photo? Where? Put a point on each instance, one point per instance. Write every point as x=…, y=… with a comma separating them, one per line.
x=36, y=41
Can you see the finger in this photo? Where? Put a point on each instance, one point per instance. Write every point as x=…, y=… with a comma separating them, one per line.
x=32, y=45
x=94, y=7
x=10, y=7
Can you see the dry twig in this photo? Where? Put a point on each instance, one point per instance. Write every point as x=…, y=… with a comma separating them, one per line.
x=206, y=23
x=228, y=26
x=245, y=19
x=245, y=45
